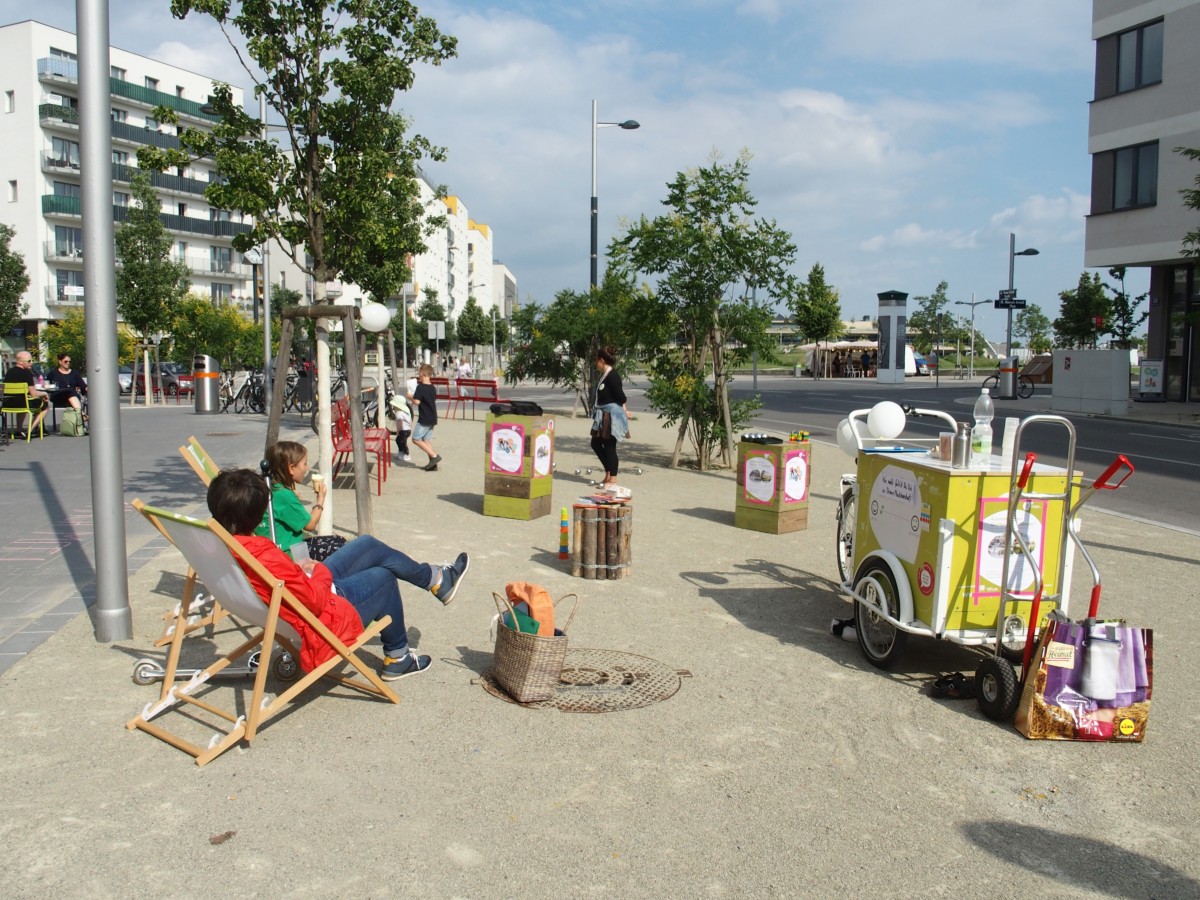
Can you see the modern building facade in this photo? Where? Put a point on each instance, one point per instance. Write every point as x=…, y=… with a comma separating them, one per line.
x=1147, y=104
x=40, y=168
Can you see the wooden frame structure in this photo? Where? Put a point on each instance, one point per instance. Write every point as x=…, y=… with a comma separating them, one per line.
x=215, y=557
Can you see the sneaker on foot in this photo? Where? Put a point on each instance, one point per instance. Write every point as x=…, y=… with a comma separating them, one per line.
x=406, y=458
x=432, y=465
x=395, y=668
x=452, y=574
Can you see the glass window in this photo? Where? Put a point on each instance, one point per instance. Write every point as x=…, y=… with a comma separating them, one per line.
x=62, y=54
x=65, y=152
x=221, y=293
x=152, y=83
x=68, y=241
x=116, y=72
x=220, y=259
x=119, y=115
x=1135, y=176
x=66, y=189
x=120, y=157
x=120, y=198
x=65, y=277
x=1139, y=57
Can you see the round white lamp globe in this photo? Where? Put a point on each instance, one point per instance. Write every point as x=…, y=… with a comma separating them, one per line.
x=885, y=420
x=845, y=437
x=374, y=317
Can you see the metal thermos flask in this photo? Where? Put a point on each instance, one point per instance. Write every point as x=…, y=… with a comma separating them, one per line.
x=961, y=458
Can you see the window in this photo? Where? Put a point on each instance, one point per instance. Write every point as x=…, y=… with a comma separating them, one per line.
x=1129, y=60
x=116, y=72
x=10, y=101
x=221, y=293
x=151, y=83
x=65, y=189
x=64, y=153
x=220, y=259
x=179, y=90
x=151, y=123
x=1126, y=178
x=12, y=192
x=119, y=115
x=120, y=198
x=62, y=54
x=218, y=215
x=120, y=157
x=68, y=241
x=72, y=278
x=181, y=209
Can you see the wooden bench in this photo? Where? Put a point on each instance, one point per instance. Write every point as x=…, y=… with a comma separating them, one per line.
x=476, y=390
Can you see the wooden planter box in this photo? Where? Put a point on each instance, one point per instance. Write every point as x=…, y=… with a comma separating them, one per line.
x=518, y=466
x=772, y=486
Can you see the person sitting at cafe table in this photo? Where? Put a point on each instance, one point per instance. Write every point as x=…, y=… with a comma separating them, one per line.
x=22, y=373
x=67, y=386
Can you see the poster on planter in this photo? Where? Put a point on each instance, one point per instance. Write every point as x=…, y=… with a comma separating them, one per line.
x=507, y=443
x=541, y=455
x=989, y=554
x=795, y=476
x=758, y=475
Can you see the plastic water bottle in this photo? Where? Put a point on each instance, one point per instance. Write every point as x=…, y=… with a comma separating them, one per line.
x=981, y=434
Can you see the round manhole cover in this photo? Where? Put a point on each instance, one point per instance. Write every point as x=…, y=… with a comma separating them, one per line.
x=597, y=681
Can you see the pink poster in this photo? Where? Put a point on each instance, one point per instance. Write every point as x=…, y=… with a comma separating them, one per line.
x=795, y=476
x=506, y=454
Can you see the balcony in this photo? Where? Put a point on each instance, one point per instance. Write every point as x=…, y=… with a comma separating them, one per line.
x=123, y=131
x=199, y=264
x=63, y=251
x=48, y=112
x=54, y=69
x=59, y=165
x=57, y=205
x=163, y=181
x=54, y=297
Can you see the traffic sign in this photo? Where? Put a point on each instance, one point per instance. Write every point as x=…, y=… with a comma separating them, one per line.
x=1008, y=294
x=1010, y=303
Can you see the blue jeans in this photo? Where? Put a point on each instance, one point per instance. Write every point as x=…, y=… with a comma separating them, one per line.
x=365, y=573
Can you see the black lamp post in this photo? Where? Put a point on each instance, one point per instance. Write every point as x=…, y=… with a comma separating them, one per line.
x=628, y=125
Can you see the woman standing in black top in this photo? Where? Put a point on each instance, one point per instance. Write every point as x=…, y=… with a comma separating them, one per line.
x=610, y=420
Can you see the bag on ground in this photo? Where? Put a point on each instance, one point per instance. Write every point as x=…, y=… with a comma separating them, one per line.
x=72, y=424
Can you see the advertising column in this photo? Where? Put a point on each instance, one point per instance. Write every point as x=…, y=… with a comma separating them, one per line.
x=893, y=328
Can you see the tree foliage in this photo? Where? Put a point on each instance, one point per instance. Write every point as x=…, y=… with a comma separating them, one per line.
x=558, y=343
x=430, y=310
x=14, y=281
x=1081, y=308
x=341, y=190
x=932, y=323
x=200, y=326
x=1033, y=327
x=69, y=335
x=149, y=283
x=816, y=308
x=1191, y=199
x=709, y=255
x=472, y=326
x=1125, y=318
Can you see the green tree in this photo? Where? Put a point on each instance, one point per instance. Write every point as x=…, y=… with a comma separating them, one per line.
x=1191, y=199
x=69, y=335
x=931, y=324
x=14, y=281
x=149, y=283
x=1081, y=309
x=1033, y=327
x=341, y=190
x=1125, y=316
x=709, y=254
x=816, y=308
x=472, y=326
x=430, y=310
x=201, y=327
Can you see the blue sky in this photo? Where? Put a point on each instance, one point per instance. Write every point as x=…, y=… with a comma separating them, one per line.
x=899, y=143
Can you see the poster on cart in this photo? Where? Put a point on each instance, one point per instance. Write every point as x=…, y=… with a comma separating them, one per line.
x=989, y=554
x=894, y=511
x=507, y=444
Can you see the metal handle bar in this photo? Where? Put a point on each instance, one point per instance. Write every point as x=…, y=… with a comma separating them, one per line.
x=1121, y=462
x=909, y=410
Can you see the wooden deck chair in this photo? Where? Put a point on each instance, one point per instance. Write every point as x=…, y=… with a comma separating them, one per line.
x=213, y=555
x=202, y=611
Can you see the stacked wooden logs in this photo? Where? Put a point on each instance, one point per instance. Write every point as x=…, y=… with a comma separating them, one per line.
x=603, y=537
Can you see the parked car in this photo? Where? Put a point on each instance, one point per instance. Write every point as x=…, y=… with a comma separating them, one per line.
x=175, y=378
x=125, y=378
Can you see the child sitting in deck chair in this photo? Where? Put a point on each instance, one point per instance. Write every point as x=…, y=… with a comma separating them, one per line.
x=343, y=592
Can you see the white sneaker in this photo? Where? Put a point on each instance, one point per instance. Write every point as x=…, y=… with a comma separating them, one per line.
x=406, y=458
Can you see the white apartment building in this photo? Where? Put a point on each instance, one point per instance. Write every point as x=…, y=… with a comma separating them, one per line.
x=40, y=169
x=1146, y=104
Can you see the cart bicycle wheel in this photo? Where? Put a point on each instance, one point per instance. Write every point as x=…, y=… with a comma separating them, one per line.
x=847, y=518
x=879, y=640
x=996, y=689
x=1024, y=387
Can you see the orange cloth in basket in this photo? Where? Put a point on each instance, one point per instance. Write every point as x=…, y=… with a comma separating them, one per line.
x=541, y=605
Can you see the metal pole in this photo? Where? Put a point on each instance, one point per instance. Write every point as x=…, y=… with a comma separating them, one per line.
x=266, y=277
x=972, y=336
x=595, y=206
x=1012, y=253
x=111, y=618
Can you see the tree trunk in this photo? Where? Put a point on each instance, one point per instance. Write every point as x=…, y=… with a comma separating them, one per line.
x=722, y=389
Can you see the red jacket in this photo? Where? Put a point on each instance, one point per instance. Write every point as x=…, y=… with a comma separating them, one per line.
x=316, y=593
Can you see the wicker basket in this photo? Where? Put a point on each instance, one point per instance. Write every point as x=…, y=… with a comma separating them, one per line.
x=528, y=666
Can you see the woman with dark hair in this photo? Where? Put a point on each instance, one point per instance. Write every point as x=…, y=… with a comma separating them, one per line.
x=67, y=387
x=610, y=420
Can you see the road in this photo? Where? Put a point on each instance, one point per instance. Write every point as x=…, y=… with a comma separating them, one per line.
x=1163, y=490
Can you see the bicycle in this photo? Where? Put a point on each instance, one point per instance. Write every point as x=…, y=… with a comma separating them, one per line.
x=251, y=395
x=1024, y=385
x=370, y=401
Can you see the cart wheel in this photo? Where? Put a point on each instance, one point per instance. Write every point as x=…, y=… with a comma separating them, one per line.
x=879, y=640
x=146, y=671
x=285, y=667
x=1012, y=643
x=847, y=517
x=996, y=689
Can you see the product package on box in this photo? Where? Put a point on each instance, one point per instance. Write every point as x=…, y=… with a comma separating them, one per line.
x=1088, y=682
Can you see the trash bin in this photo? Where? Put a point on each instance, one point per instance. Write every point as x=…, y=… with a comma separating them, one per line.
x=207, y=386
x=1006, y=388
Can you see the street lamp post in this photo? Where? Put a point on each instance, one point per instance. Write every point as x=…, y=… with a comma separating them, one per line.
x=1012, y=254
x=628, y=125
x=972, y=303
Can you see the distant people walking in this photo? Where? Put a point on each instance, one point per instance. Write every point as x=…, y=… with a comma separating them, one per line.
x=610, y=420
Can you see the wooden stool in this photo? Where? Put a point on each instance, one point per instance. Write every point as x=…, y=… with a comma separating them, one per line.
x=603, y=539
